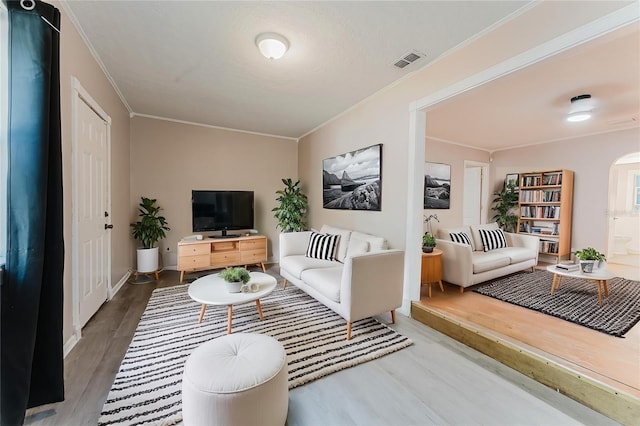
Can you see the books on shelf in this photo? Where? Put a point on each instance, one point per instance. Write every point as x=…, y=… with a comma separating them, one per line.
x=548, y=246
x=540, y=212
x=539, y=196
x=531, y=180
x=544, y=203
x=554, y=178
x=546, y=229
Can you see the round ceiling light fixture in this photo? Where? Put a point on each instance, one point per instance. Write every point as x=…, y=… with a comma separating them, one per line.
x=272, y=45
x=581, y=108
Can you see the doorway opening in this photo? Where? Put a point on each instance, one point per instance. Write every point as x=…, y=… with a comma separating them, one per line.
x=476, y=193
x=624, y=207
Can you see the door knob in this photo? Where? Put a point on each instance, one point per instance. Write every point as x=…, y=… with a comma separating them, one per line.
x=108, y=226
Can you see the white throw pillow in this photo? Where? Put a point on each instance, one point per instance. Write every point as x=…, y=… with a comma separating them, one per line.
x=343, y=242
x=357, y=246
x=492, y=239
x=322, y=246
x=375, y=243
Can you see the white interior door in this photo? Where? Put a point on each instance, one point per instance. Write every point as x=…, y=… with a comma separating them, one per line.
x=91, y=211
x=472, y=204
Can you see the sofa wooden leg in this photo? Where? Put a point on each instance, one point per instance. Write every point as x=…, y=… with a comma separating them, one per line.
x=284, y=284
x=349, y=330
x=461, y=289
x=393, y=316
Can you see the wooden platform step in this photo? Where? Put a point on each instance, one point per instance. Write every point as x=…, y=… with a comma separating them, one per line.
x=616, y=404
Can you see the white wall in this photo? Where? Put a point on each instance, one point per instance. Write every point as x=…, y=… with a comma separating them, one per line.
x=590, y=158
x=169, y=159
x=455, y=156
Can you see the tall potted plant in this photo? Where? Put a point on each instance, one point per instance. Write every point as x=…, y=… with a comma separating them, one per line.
x=505, y=201
x=292, y=209
x=149, y=230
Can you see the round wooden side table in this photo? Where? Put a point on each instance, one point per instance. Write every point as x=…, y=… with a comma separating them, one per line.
x=432, y=269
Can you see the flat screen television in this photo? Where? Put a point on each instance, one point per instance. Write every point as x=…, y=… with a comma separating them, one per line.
x=221, y=211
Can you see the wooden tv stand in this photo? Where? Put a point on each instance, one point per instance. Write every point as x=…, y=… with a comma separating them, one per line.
x=213, y=253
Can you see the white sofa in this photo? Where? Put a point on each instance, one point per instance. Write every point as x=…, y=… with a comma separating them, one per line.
x=365, y=279
x=465, y=265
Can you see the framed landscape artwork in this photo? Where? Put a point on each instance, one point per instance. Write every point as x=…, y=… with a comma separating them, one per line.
x=352, y=181
x=437, y=185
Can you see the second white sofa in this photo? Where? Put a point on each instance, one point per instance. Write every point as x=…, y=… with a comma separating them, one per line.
x=465, y=263
x=364, y=278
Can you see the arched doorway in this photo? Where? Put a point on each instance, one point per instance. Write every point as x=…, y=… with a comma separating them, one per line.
x=624, y=207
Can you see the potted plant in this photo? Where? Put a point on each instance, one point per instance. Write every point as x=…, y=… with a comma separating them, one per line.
x=293, y=207
x=505, y=201
x=148, y=230
x=588, y=257
x=235, y=277
x=428, y=242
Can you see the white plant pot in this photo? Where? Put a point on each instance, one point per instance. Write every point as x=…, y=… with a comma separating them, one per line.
x=148, y=260
x=234, y=287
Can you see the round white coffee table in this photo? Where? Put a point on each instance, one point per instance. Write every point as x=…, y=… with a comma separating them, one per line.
x=600, y=276
x=211, y=290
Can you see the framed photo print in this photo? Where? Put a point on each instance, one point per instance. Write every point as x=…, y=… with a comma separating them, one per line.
x=437, y=185
x=512, y=178
x=352, y=181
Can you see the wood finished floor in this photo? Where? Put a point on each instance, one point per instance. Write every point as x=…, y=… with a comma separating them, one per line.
x=435, y=381
x=611, y=360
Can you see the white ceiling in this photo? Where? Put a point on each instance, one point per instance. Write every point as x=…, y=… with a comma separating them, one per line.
x=530, y=106
x=196, y=61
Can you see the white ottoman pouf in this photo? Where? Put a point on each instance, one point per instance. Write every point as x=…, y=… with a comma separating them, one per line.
x=237, y=379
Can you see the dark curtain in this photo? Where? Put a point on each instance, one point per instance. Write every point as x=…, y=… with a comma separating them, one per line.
x=31, y=297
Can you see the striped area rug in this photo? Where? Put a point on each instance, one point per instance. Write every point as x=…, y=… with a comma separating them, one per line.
x=575, y=301
x=147, y=388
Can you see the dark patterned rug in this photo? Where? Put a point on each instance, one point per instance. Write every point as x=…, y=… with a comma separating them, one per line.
x=575, y=301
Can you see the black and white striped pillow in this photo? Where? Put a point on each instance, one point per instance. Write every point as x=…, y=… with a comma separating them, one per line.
x=322, y=246
x=460, y=237
x=492, y=239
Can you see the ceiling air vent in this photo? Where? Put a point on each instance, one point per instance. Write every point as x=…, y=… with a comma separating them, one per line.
x=408, y=59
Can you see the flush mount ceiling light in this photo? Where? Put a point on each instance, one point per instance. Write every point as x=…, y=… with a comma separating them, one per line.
x=272, y=45
x=581, y=107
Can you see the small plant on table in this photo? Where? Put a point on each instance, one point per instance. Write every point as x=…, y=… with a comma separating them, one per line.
x=588, y=257
x=235, y=278
x=428, y=242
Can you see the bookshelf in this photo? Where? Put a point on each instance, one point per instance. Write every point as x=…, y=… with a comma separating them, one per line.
x=545, y=202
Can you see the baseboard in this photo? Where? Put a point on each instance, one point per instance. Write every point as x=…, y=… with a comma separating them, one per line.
x=70, y=344
x=614, y=403
x=114, y=290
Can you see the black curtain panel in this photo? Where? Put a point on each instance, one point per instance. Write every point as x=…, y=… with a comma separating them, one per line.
x=31, y=295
